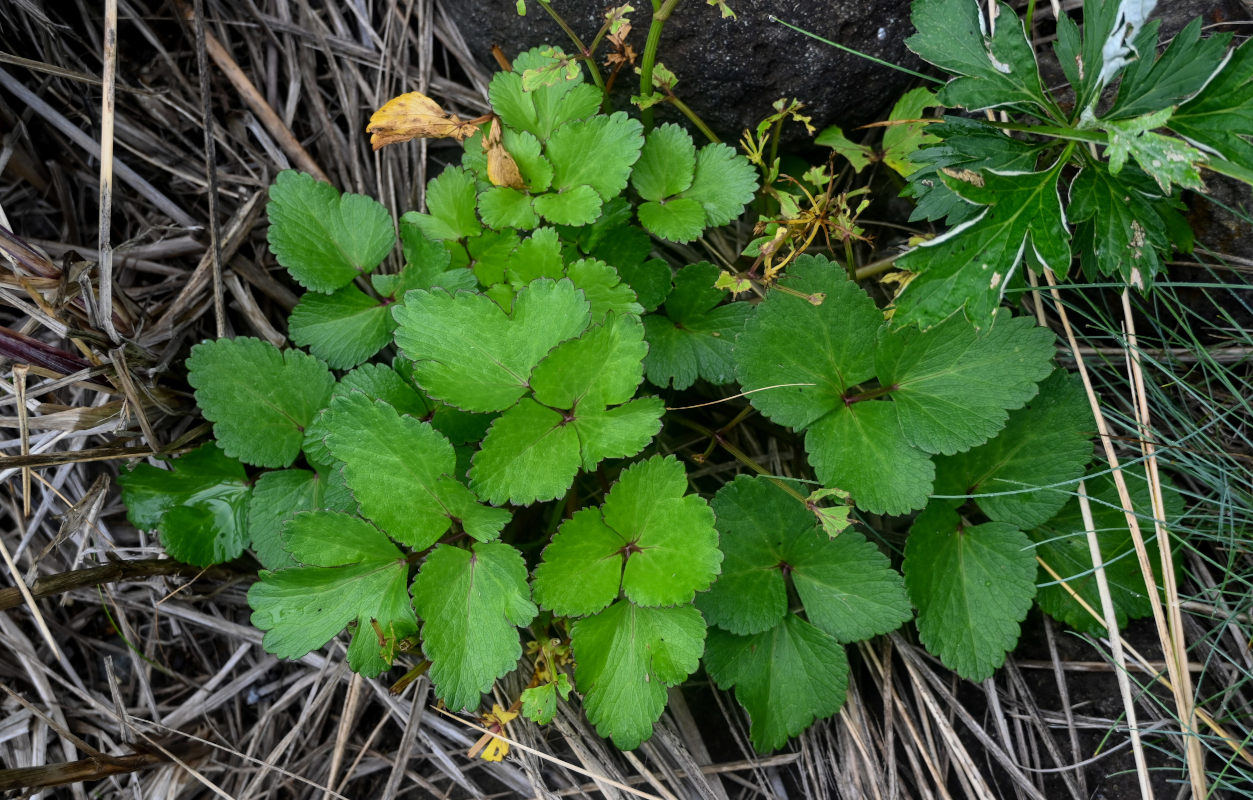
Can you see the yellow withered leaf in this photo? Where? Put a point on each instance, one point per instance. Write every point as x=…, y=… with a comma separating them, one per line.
x=502, y=170
x=416, y=116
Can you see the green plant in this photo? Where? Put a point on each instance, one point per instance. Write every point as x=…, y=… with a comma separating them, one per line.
x=479, y=416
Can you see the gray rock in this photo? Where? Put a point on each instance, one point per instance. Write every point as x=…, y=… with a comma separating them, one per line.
x=730, y=71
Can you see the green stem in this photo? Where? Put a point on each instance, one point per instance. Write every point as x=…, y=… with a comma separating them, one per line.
x=695, y=120
x=584, y=52
x=1054, y=131
x=662, y=9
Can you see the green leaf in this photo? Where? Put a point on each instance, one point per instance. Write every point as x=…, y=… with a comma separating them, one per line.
x=972, y=586
x=506, y=207
x=539, y=703
x=859, y=155
x=723, y=184
x=1150, y=84
x=1166, y=159
x=259, y=399
x=603, y=288
x=377, y=382
x=596, y=152
x=526, y=151
x=575, y=205
x=1220, y=117
x=994, y=71
x=667, y=163
x=970, y=265
x=651, y=280
x=471, y=604
x=695, y=336
x=655, y=543
x=355, y=575
x=471, y=354
x=530, y=453
x=602, y=367
x=1062, y=543
x=846, y=585
x=679, y=219
x=450, y=202
x=545, y=108
x=901, y=141
x=343, y=328
x=785, y=677
x=199, y=505
x=490, y=255
x=619, y=432
x=322, y=239
x=626, y=658
x=401, y=472
x=429, y=256
x=537, y=256
x=952, y=385
x=1122, y=215
x=1044, y=444
x=278, y=496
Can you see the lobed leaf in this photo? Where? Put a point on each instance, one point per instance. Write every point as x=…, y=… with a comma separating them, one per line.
x=279, y=495
x=343, y=328
x=694, y=335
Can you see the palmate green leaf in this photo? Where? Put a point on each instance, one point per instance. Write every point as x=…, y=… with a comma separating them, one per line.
x=1062, y=543
x=199, y=506
x=401, y=472
x=1219, y=118
x=1167, y=160
x=450, y=203
x=471, y=354
x=970, y=265
x=471, y=603
x=279, y=495
x=322, y=239
x=627, y=656
x=952, y=385
x=724, y=182
x=649, y=540
x=1079, y=55
x=1046, y=443
x=259, y=399
x=596, y=152
x=785, y=677
x=343, y=328
x=972, y=586
x=530, y=453
x=846, y=585
x=1120, y=230
x=1150, y=84
x=994, y=71
x=694, y=335
x=602, y=367
x=544, y=109
x=862, y=449
x=354, y=575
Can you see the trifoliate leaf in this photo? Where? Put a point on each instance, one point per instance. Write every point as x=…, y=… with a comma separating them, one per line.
x=679, y=219
x=1045, y=444
x=723, y=184
x=322, y=239
x=530, y=453
x=695, y=337
x=279, y=495
x=545, y=108
x=596, y=152
x=539, y=703
x=1125, y=235
x=618, y=432
x=994, y=71
x=343, y=328
x=601, y=368
x=952, y=385
x=505, y=207
x=401, y=472
x=970, y=265
x=785, y=677
x=658, y=542
x=199, y=506
x=471, y=354
x=450, y=202
x=355, y=575
x=1167, y=160
x=471, y=604
x=1149, y=84
x=972, y=586
x=576, y=205
x=846, y=585
x=259, y=399
x=603, y=288
x=667, y=164
x=627, y=656
x=1220, y=117
x=1062, y=543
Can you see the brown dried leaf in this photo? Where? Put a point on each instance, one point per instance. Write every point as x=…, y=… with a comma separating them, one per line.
x=502, y=170
x=415, y=116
